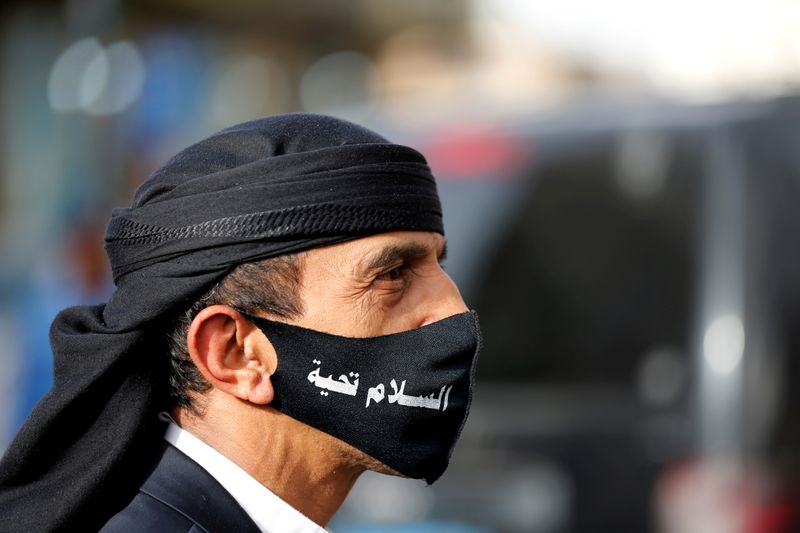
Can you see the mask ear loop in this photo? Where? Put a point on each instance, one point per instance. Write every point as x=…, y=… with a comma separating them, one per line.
x=249, y=314
x=239, y=310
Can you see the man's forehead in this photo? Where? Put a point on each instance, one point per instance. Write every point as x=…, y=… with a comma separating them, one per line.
x=400, y=243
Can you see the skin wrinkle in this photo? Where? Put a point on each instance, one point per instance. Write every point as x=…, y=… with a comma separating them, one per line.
x=384, y=293
x=396, y=264
x=289, y=457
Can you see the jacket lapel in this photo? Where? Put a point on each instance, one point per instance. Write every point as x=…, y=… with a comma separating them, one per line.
x=182, y=484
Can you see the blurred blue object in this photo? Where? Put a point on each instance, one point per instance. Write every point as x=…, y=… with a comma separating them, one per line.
x=175, y=96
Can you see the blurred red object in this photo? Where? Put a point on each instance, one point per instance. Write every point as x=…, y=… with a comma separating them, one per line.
x=469, y=151
x=698, y=496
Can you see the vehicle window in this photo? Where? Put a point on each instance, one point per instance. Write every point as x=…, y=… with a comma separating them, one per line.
x=590, y=277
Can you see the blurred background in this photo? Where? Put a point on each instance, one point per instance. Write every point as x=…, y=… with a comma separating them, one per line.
x=620, y=182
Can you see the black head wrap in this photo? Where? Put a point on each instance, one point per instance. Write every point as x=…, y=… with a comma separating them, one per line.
x=263, y=188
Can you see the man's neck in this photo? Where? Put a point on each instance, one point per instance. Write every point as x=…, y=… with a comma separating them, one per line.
x=291, y=459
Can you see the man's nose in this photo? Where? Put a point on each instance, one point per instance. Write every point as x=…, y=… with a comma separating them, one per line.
x=445, y=300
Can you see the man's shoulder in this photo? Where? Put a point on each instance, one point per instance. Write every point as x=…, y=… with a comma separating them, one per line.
x=146, y=513
x=180, y=496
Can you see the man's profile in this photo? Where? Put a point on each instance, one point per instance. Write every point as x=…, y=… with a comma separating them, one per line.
x=281, y=324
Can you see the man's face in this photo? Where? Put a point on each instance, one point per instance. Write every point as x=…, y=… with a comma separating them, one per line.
x=377, y=285
x=372, y=286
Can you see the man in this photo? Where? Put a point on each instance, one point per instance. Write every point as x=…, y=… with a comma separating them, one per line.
x=290, y=267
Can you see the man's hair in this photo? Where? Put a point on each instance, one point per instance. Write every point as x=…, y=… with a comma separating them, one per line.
x=269, y=285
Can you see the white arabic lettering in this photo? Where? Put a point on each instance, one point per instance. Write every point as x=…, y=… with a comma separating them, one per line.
x=375, y=394
x=428, y=402
x=342, y=384
x=348, y=384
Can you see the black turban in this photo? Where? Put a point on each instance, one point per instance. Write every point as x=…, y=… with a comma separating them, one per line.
x=260, y=189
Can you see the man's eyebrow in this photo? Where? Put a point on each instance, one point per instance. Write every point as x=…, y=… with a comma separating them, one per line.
x=395, y=253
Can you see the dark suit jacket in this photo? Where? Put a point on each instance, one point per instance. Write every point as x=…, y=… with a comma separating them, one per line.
x=180, y=496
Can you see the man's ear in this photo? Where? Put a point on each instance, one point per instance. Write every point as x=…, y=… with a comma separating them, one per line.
x=233, y=355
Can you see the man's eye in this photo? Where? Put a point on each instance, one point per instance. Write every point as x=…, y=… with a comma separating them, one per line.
x=394, y=274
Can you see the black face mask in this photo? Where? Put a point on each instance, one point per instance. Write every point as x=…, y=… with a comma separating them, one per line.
x=401, y=398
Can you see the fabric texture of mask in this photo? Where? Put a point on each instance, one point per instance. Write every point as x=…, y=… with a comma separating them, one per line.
x=402, y=398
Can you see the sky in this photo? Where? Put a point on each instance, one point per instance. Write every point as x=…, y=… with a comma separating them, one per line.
x=696, y=49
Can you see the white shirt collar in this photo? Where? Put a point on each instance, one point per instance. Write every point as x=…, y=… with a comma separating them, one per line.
x=265, y=508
